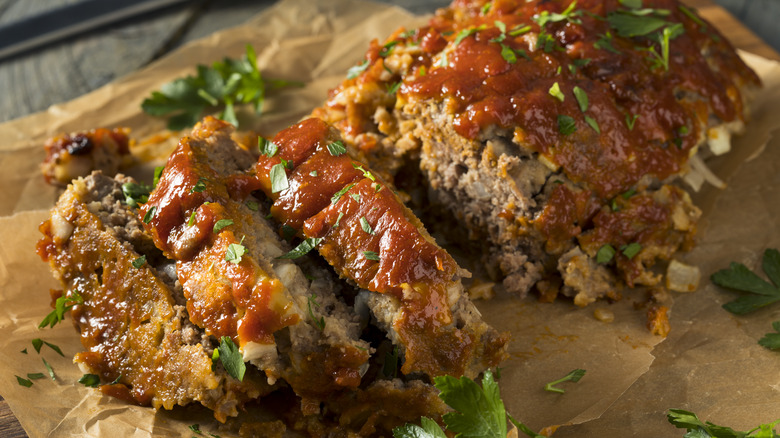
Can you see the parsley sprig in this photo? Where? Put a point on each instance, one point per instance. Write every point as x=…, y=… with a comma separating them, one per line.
x=635, y=21
x=771, y=340
x=696, y=428
x=757, y=291
x=225, y=84
x=64, y=303
x=479, y=411
x=573, y=376
x=231, y=358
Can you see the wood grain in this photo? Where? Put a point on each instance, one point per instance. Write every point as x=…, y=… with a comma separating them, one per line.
x=67, y=70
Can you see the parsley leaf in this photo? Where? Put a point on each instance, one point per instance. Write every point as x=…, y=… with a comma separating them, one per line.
x=226, y=82
x=631, y=250
x=231, y=358
x=222, y=223
x=630, y=120
x=759, y=292
x=593, y=123
x=337, y=148
x=140, y=261
x=150, y=214
x=366, y=226
x=234, y=253
x=61, y=305
x=49, y=369
x=90, y=380
x=278, y=177
x=35, y=376
x=582, y=98
x=605, y=254
x=480, y=411
x=631, y=25
x=24, y=382
x=355, y=71
x=566, y=124
x=191, y=220
x=465, y=33
x=267, y=147
x=340, y=193
x=428, y=429
x=135, y=194
x=508, y=54
x=304, y=247
x=696, y=428
x=371, y=255
x=319, y=322
x=390, y=366
x=573, y=376
x=37, y=343
x=199, y=186
x=771, y=340
x=555, y=91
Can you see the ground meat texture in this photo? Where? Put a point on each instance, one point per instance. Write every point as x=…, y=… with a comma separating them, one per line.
x=370, y=238
x=228, y=258
x=70, y=156
x=131, y=328
x=528, y=130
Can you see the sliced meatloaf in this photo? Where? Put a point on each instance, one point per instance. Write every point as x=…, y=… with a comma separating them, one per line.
x=552, y=130
x=69, y=156
x=131, y=313
x=290, y=324
x=360, y=226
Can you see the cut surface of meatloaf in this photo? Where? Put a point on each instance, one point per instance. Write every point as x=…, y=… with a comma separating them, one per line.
x=553, y=130
x=69, y=156
x=132, y=320
x=290, y=324
x=360, y=226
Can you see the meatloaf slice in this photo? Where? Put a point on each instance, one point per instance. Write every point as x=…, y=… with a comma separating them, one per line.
x=131, y=315
x=360, y=226
x=552, y=130
x=290, y=324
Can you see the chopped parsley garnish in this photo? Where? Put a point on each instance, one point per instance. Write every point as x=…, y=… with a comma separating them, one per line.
x=37, y=343
x=235, y=251
x=61, y=305
x=337, y=148
x=340, y=193
x=24, y=382
x=338, y=219
x=191, y=220
x=226, y=83
x=508, y=54
x=566, y=124
x=252, y=205
x=135, y=194
x=140, y=261
x=24, y=351
x=630, y=25
x=371, y=255
x=222, y=223
x=387, y=48
x=592, y=123
x=313, y=173
x=390, y=366
x=555, y=91
x=696, y=428
x=545, y=42
x=605, y=254
x=195, y=428
x=605, y=43
x=393, y=88
x=519, y=30
x=90, y=380
x=757, y=291
x=355, y=71
x=692, y=16
x=288, y=232
x=465, y=33
x=199, y=186
x=49, y=369
x=35, y=376
x=582, y=98
x=630, y=120
x=486, y=8
x=442, y=60
x=267, y=147
x=304, y=247
x=366, y=173
x=150, y=214
x=231, y=358
x=631, y=250
x=355, y=196
x=569, y=14
x=771, y=340
x=366, y=226
x=157, y=174
x=635, y=22
x=573, y=376
x=278, y=177
x=319, y=322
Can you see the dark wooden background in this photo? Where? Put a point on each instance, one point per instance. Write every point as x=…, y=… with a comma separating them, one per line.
x=60, y=72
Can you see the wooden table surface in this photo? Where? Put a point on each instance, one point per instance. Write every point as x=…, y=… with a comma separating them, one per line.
x=60, y=72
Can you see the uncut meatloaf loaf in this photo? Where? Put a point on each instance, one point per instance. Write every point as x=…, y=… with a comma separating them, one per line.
x=552, y=131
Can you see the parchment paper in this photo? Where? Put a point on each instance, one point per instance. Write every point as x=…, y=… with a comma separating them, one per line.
x=710, y=363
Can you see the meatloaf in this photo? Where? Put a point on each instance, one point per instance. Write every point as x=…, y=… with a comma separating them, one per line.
x=552, y=132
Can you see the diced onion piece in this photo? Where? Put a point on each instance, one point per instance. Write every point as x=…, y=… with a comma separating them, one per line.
x=681, y=277
x=694, y=179
x=719, y=139
x=698, y=165
x=548, y=163
x=481, y=290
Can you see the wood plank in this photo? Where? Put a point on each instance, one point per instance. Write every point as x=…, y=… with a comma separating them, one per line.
x=58, y=73
x=9, y=425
